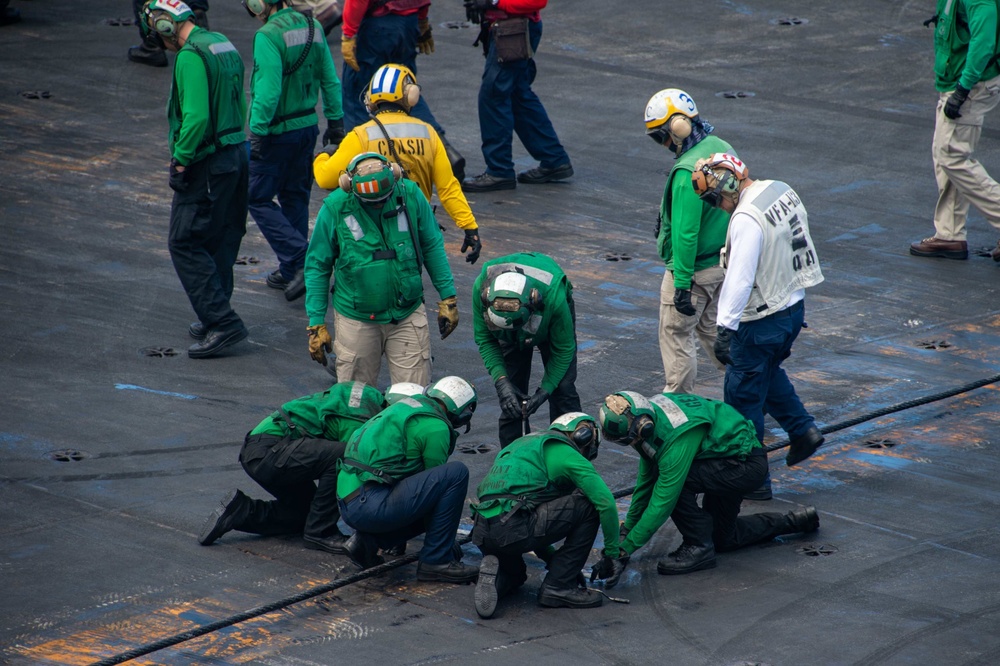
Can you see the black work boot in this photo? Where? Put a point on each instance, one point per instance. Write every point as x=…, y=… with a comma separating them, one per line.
x=487, y=593
x=296, y=287
x=455, y=158
x=363, y=552
x=230, y=512
x=803, y=520
x=452, y=572
x=804, y=446
x=687, y=559
x=148, y=53
x=571, y=597
x=335, y=543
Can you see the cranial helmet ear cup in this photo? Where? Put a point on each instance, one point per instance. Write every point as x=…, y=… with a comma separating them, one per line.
x=345, y=182
x=679, y=127
x=643, y=427
x=164, y=25
x=397, y=171
x=535, y=303
x=255, y=7
x=411, y=95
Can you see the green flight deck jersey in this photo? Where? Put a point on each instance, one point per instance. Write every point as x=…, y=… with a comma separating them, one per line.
x=552, y=324
x=687, y=427
x=406, y=438
x=207, y=108
x=333, y=414
x=541, y=467
x=691, y=231
x=372, y=257
x=289, y=71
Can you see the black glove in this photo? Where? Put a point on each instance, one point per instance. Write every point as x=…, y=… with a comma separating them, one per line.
x=933, y=19
x=537, y=400
x=659, y=224
x=609, y=569
x=723, y=338
x=510, y=398
x=682, y=301
x=256, y=146
x=472, y=241
x=178, y=179
x=955, y=102
x=622, y=532
x=334, y=133
x=474, y=10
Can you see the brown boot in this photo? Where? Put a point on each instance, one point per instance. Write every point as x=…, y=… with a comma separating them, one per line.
x=935, y=247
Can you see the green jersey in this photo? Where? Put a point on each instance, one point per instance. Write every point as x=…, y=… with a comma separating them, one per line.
x=206, y=109
x=691, y=231
x=289, y=72
x=540, y=467
x=333, y=414
x=965, y=41
x=408, y=437
x=372, y=256
x=687, y=427
x=553, y=324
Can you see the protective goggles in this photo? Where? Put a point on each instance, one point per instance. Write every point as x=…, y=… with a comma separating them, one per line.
x=660, y=135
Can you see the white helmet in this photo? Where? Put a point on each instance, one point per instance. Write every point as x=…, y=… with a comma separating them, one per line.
x=668, y=116
x=401, y=390
x=719, y=174
x=458, y=397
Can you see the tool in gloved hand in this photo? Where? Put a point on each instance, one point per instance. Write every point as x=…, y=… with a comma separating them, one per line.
x=723, y=338
x=682, y=301
x=510, y=397
x=537, y=400
x=610, y=569
x=320, y=343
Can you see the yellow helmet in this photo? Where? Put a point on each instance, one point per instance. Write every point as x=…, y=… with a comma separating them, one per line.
x=392, y=84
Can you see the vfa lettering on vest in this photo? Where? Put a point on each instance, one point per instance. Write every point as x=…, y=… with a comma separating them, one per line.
x=788, y=259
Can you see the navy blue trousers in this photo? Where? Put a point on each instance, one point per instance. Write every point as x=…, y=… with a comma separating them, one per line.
x=284, y=172
x=428, y=503
x=381, y=40
x=507, y=104
x=756, y=383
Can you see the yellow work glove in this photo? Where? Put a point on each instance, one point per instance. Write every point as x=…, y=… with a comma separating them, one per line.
x=320, y=343
x=447, y=316
x=425, y=42
x=349, y=49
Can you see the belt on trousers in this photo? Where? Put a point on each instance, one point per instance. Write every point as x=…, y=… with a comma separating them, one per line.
x=787, y=312
x=354, y=494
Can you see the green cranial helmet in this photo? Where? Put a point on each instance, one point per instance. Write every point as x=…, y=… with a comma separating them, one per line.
x=626, y=418
x=511, y=300
x=370, y=177
x=401, y=390
x=164, y=17
x=581, y=430
x=458, y=397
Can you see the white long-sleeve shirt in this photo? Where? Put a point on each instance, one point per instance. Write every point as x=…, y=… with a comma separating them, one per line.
x=745, y=242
